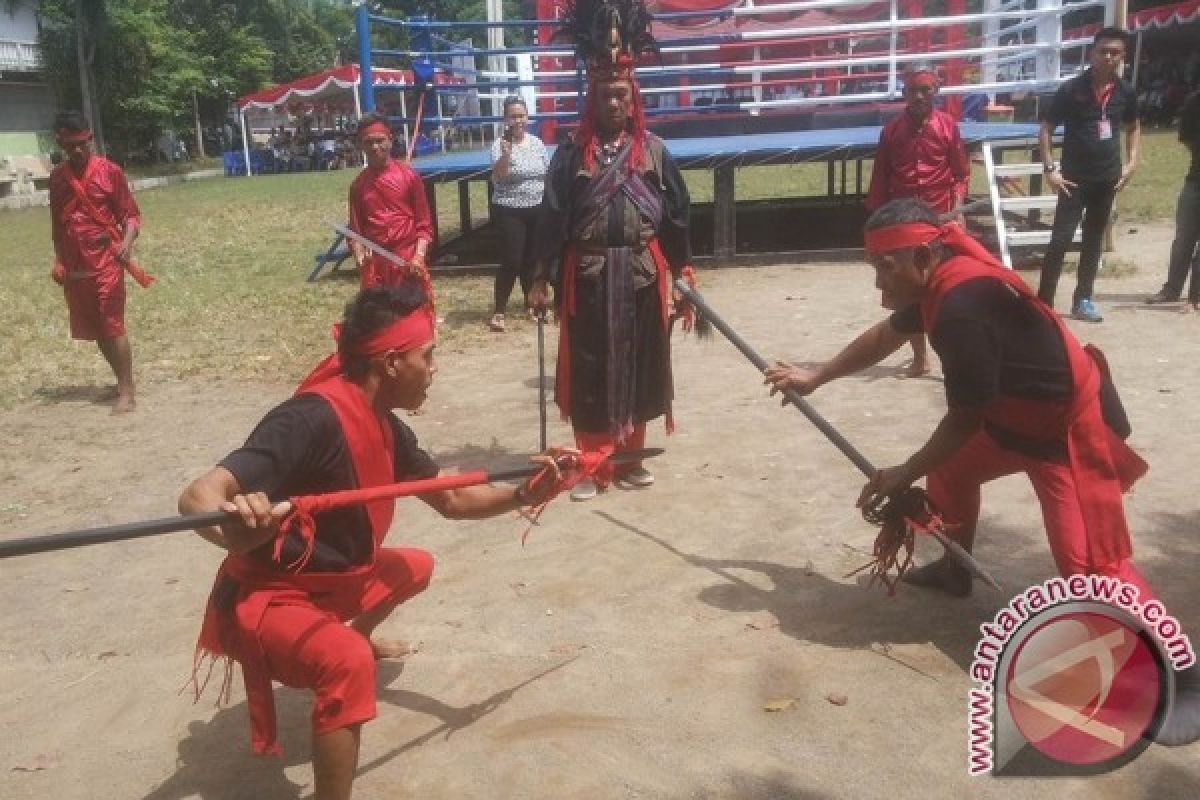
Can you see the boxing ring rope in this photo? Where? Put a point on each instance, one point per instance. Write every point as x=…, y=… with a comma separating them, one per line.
x=741, y=59
x=872, y=76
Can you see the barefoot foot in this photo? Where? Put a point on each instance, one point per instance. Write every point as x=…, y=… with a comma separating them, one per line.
x=942, y=575
x=124, y=403
x=391, y=648
x=916, y=370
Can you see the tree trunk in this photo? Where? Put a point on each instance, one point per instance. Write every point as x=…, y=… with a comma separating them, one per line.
x=86, y=53
x=199, y=129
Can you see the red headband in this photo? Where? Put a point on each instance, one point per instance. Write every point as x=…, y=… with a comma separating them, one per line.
x=375, y=127
x=406, y=333
x=73, y=137
x=922, y=77
x=898, y=237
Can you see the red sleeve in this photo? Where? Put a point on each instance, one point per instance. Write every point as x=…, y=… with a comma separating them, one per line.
x=57, y=201
x=354, y=218
x=124, y=208
x=877, y=194
x=960, y=164
x=422, y=222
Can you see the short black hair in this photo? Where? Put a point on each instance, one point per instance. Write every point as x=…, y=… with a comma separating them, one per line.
x=902, y=211
x=514, y=100
x=71, y=121
x=370, y=311
x=370, y=118
x=1113, y=33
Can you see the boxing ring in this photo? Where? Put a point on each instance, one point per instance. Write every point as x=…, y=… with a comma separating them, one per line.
x=801, y=82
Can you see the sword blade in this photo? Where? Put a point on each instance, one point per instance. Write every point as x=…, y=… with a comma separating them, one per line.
x=370, y=245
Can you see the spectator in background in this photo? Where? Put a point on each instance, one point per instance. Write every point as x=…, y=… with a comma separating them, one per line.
x=1187, y=218
x=1091, y=107
x=519, y=162
x=387, y=205
x=922, y=155
x=94, y=222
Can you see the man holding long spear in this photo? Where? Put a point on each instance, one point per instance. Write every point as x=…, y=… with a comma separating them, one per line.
x=1023, y=395
x=281, y=600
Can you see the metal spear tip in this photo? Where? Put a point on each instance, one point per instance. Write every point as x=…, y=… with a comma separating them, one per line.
x=626, y=456
x=957, y=552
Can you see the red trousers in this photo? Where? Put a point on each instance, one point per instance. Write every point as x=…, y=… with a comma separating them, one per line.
x=604, y=442
x=96, y=302
x=307, y=644
x=954, y=488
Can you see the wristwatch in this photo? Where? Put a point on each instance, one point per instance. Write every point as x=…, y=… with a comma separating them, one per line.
x=1049, y=168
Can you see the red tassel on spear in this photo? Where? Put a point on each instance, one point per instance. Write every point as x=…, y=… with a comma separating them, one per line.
x=573, y=468
x=900, y=517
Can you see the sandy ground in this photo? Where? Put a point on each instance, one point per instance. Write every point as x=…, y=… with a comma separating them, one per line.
x=629, y=648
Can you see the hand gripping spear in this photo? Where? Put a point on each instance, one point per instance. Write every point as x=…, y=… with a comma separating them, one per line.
x=900, y=517
x=187, y=522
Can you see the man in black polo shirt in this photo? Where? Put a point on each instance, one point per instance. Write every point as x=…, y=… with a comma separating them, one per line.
x=1187, y=218
x=1091, y=107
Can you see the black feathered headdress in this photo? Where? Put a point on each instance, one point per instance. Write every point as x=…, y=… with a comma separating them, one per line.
x=609, y=35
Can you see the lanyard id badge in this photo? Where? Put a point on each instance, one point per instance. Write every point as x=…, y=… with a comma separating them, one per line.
x=1103, y=125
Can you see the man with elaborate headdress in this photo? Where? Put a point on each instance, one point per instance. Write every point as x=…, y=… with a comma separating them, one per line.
x=614, y=225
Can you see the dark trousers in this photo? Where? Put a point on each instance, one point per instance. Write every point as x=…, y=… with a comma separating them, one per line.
x=518, y=227
x=1093, y=203
x=1184, y=258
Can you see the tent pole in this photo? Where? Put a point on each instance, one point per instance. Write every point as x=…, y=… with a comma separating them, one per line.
x=441, y=120
x=1137, y=58
x=245, y=141
x=358, y=113
x=404, y=114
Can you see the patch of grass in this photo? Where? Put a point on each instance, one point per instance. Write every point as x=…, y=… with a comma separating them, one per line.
x=176, y=168
x=231, y=255
x=1152, y=192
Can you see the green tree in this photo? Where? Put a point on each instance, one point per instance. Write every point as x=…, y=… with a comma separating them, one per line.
x=146, y=60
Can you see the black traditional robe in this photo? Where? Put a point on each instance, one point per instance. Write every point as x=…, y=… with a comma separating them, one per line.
x=614, y=355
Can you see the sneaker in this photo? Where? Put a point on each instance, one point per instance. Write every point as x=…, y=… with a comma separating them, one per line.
x=1086, y=310
x=636, y=478
x=1161, y=297
x=496, y=323
x=584, y=490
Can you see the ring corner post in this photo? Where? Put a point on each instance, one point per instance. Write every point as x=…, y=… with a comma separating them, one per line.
x=362, y=28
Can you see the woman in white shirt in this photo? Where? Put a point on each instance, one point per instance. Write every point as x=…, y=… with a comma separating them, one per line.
x=518, y=179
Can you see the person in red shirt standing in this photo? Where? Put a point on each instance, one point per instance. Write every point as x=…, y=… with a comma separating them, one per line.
x=388, y=206
x=95, y=222
x=921, y=154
